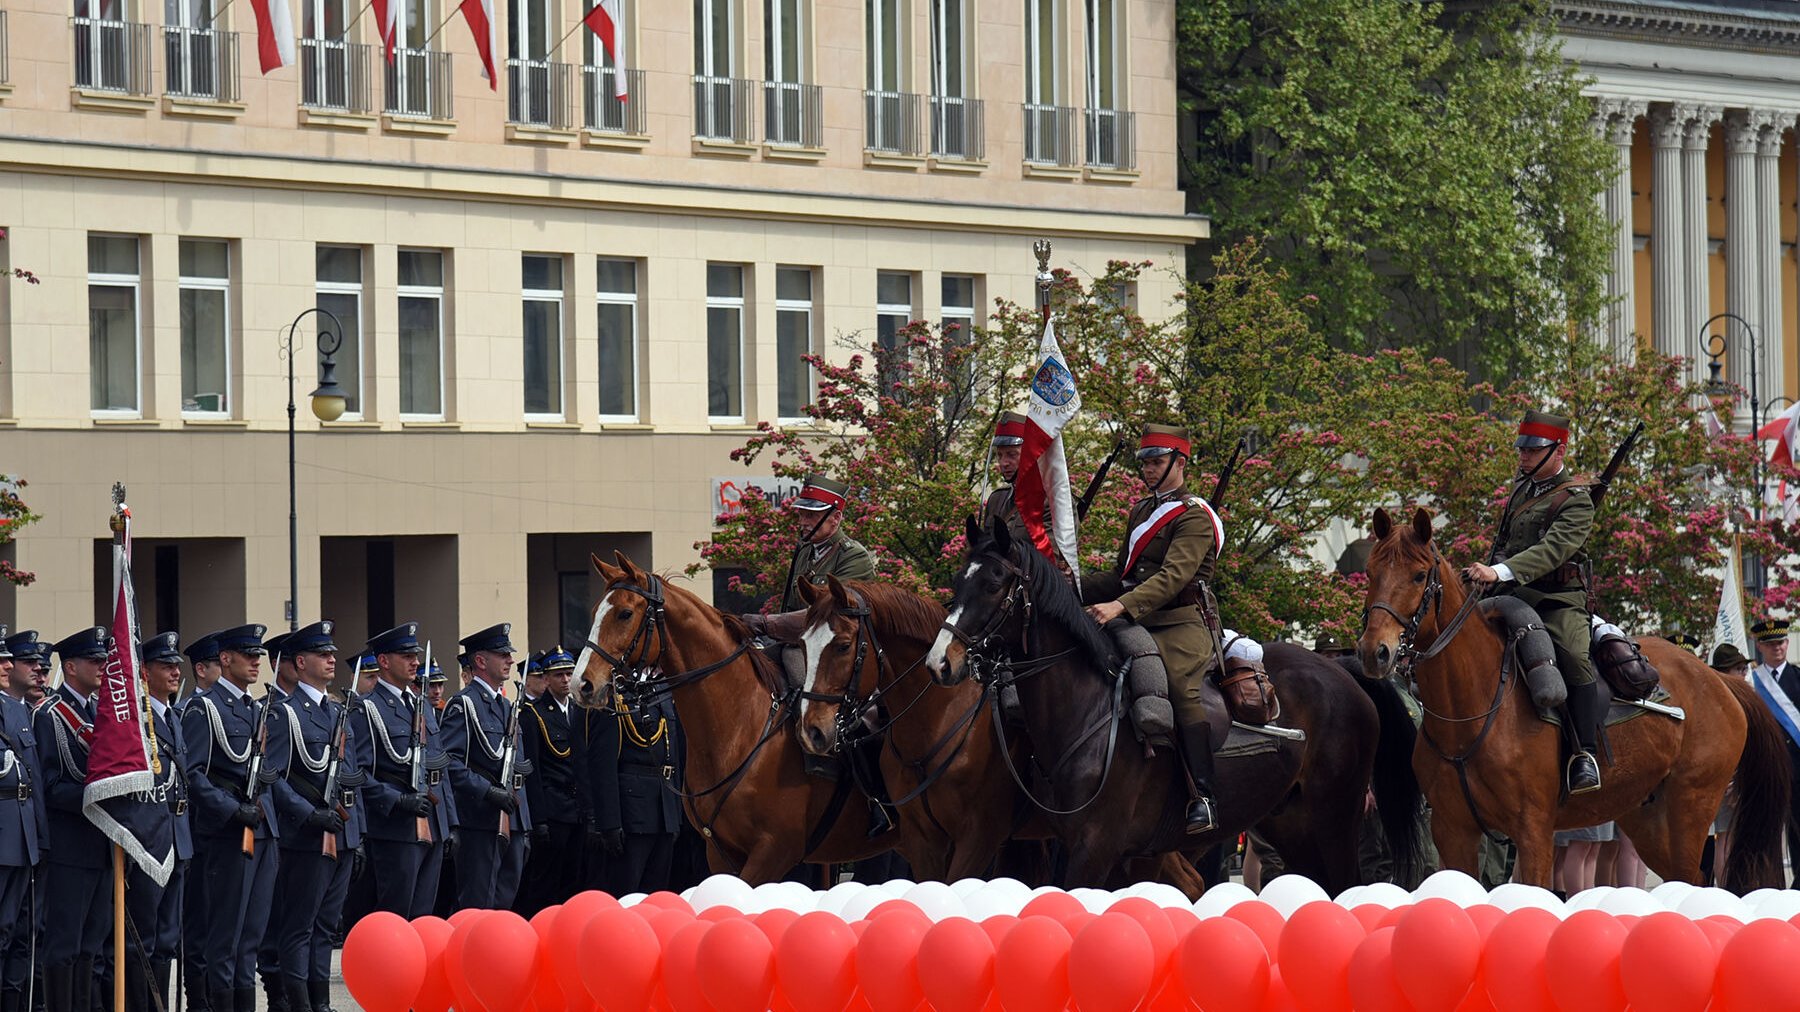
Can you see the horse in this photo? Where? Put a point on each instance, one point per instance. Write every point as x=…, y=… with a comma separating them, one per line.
x=1487, y=762
x=1108, y=803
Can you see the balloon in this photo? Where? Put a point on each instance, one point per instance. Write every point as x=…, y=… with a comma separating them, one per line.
x=1440, y=950
x=456, y=964
x=434, y=991
x=505, y=960
x=668, y=901
x=887, y=959
x=1058, y=905
x=1370, y=977
x=1220, y=898
x=1263, y=920
x=1512, y=964
x=384, y=963
x=464, y=915
x=900, y=907
x=1452, y=885
x=664, y=922
x=996, y=928
x=956, y=966
x=1182, y=919
x=1718, y=932
x=1280, y=998
x=1759, y=969
x=815, y=963
x=1369, y=916
x=1112, y=965
x=1288, y=893
x=545, y=990
x=681, y=968
x=1582, y=963
x=727, y=891
x=1155, y=922
x=1031, y=966
x=1486, y=917
x=571, y=924
x=737, y=967
x=1224, y=966
x=618, y=959
x=1314, y=954
x=775, y=921
x=935, y=900
x=1667, y=965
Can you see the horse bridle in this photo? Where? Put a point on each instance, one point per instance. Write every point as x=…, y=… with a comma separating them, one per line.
x=1018, y=599
x=851, y=706
x=1407, y=654
x=655, y=625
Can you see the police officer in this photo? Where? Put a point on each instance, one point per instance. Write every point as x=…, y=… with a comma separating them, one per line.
x=236, y=869
x=1171, y=546
x=78, y=903
x=268, y=954
x=435, y=681
x=287, y=676
x=492, y=842
x=22, y=679
x=647, y=767
x=1009, y=446
x=407, y=827
x=531, y=669
x=155, y=910
x=20, y=922
x=1542, y=554
x=824, y=550
x=557, y=789
x=203, y=657
x=321, y=819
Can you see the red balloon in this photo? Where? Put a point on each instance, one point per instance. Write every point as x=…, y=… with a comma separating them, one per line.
x=667, y=901
x=681, y=968
x=1280, y=999
x=887, y=960
x=1223, y=966
x=1112, y=965
x=1583, y=963
x=1182, y=919
x=618, y=959
x=571, y=923
x=1486, y=917
x=815, y=962
x=1031, y=966
x=1156, y=925
x=737, y=967
x=545, y=990
x=1760, y=969
x=664, y=922
x=1314, y=955
x=774, y=923
x=997, y=926
x=1440, y=950
x=896, y=906
x=1058, y=905
x=714, y=915
x=456, y=964
x=434, y=991
x=1371, y=980
x=1391, y=919
x=1512, y=964
x=1370, y=916
x=956, y=966
x=501, y=960
x=457, y=919
x=1718, y=932
x=1263, y=919
x=384, y=963
x=1171, y=997
x=1667, y=965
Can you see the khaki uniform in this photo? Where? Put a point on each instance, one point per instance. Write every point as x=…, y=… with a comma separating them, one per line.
x=1000, y=504
x=838, y=556
x=1544, y=546
x=1162, y=594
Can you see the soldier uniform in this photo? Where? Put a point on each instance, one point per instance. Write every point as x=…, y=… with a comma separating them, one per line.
x=204, y=650
x=268, y=955
x=156, y=910
x=645, y=766
x=1010, y=431
x=21, y=828
x=838, y=555
x=559, y=794
x=492, y=843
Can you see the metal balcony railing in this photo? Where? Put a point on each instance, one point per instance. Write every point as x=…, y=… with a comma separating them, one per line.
x=5, y=47
x=958, y=128
x=200, y=63
x=723, y=108
x=793, y=114
x=892, y=123
x=602, y=108
x=540, y=93
x=111, y=55
x=418, y=85
x=1049, y=134
x=1111, y=139
x=334, y=75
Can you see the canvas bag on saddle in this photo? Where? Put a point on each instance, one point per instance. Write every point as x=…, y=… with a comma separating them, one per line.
x=1244, y=682
x=1619, y=661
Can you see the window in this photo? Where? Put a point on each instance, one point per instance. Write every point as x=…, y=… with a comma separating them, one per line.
x=885, y=44
x=324, y=19
x=725, y=342
x=616, y=295
x=714, y=27
x=893, y=311
x=784, y=40
x=958, y=315
x=339, y=273
x=531, y=36
x=949, y=48
x=543, y=301
x=1103, y=54
x=793, y=340
x=1041, y=34
x=421, y=291
x=205, y=287
x=113, y=324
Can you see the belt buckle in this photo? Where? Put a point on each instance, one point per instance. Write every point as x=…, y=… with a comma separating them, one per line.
x=24, y=792
x=434, y=777
x=347, y=799
x=668, y=772
x=518, y=781
x=180, y=806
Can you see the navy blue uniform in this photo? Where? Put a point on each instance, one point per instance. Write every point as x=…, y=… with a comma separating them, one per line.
x=557, y=789
x=488, y=865
x=156, y=911
x=21, y=919
x=648, y=764
x=77, y=896
x=405, y=870
x=194, y=919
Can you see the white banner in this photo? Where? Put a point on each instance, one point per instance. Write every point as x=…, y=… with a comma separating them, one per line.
x=1728, y=624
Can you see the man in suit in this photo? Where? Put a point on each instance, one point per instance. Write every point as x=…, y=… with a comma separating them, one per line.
x=558, y=790
x=496, y=814
x=407, y=828
x=203, y=657
x=155, y=910
x=1772, y=650
x=21, y=830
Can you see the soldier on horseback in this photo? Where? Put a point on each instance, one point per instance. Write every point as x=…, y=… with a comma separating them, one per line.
x=825, y=549
x=1171, y=547
x=1541, y=552
x=1009, y=446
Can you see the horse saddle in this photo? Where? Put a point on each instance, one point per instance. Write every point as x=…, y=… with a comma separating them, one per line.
x=1624, y=708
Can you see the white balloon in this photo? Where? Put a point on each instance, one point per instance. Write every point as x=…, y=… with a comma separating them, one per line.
x=1452, y=885
x=835, y=898
x=633, y=899
x=967, y=886
x=1220, y=898
x=1512, y=896
x=1383, y=894
x=1162, y=894
x=721, y=891
x=1755, y=897
x=1095, y=900
x=1671, y=893
x=896, y=887
x=1631, y=902
x=1589, y=899
x=1288, y=893
x=1779, y=905
x=1703, y=903
x=935, y=900
x=985, y=903
x=863, y=903
x=1348, y=898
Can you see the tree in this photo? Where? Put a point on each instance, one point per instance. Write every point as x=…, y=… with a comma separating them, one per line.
x=1429, y=174
x=14, y=516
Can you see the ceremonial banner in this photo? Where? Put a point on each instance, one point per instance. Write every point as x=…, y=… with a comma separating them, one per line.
x=1043, y=471
x=1784, y=429
x=1728, y=623
x=387, y=24
x=608, y=22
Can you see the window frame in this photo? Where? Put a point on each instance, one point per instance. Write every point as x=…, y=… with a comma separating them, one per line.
x=632, y=302
x=940, y=49
x=873, y=42
x=356, y=291
x=809, y=307
x=134, y=282
x=437, y=295
x=740, y=302
x=906, y=315
x=185, y=283
x=774, y=51
x=706, y=44
x=1035, y=57
x=559, y=297
x=522, y=26
x=1115, y=55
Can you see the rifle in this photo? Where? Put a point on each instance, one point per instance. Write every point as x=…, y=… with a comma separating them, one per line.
x=422, y=827
x=1225, y=473
x=1604, y=482
x=509, y=758
x=333, y=780
x=253, y=773
x=1093, y=488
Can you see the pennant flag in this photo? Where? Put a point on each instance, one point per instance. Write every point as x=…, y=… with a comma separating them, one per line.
x=480, y=16
x=274, y=33
x=387, y=23
x=608, y=22
x=120, y=798
x=1043, y=470
x=1728, y=622
x=1715, y=429
x=1784, y=429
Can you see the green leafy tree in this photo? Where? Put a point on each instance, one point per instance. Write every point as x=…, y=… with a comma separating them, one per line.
x=14, y=517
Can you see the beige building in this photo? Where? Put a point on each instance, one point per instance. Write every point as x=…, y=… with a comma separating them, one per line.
x=560, y=311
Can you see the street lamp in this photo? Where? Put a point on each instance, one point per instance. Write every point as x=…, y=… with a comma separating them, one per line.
x=1716, y=346
x=328, y=403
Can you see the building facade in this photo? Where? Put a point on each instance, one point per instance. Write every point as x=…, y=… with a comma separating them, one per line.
x=560, y=309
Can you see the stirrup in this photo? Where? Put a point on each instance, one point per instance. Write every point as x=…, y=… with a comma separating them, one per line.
x=1200, y=815
x=1586, y=760
x=880, y=821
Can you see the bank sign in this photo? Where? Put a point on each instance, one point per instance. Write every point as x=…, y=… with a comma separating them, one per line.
x=728, y=493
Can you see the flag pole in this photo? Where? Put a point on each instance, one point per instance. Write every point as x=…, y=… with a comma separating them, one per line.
x=559, y=42
x=434, y=32
x=365, y=9
x=117, y=523
x=1044, y=278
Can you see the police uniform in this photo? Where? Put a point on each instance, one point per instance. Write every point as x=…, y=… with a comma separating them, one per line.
x=838, y=555
x=20, y=923
x=1009, y=431
x=645, y=766
x=403, y=863
x=488, y=862
x=268, y=954
x=558, y=789
x=1541, y=551
x=204, y=650
x=156, y=910
x=219, y=727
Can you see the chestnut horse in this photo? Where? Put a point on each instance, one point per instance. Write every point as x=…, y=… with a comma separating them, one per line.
x=1487, y=762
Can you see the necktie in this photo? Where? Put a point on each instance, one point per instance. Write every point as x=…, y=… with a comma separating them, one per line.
x=411, y=702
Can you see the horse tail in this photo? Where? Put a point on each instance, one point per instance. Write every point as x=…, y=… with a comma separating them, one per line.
x=1761, y=787
x=1397, y=795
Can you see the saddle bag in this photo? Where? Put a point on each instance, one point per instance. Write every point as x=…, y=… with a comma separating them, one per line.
x=1624, y=666
x=1249, y=695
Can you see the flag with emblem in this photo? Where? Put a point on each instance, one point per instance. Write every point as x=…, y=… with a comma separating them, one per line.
x=1784, y=429
x=1042, y=487
x=1728, y=622
x=120, y=797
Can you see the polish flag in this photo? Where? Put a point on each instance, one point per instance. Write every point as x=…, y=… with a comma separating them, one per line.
x=1043, y=470
x=1784, y=429
x=608, y=22
x=387, y=22
x=480, y=15
x=274, y=33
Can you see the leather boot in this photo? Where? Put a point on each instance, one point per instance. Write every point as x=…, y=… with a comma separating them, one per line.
x=243, y=999
x=161, y=972
x=137, y=988
x=320, y=993
x=1196, y=751
x=865, y=760
x=81, y=985
x=275, y=992
x=1586, y=710
x=293, y=991
x=59, y=988
x=193, y=981
x=220, y=999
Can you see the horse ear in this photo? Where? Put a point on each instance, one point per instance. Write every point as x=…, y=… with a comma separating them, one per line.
x=972, y=532
x=627, y=565
x=611, y=574
x=1421, y=525
x=1384, y=524
x=809, y=591
x=839, y=596
x=1002, y=536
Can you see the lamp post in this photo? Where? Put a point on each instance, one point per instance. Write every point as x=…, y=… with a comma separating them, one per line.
x=1716, y=346
x=328, y=402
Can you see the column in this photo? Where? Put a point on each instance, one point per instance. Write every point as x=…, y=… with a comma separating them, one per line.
x=1743, y=271
x=1621, y=279
x=1668, y=247
x=1693, y=223
x=1768, y=207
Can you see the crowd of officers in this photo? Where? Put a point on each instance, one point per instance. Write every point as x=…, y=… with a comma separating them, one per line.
x=299, y=807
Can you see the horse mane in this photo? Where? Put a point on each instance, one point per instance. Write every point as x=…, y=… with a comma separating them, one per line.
x=906, y=613
x=1052, y=597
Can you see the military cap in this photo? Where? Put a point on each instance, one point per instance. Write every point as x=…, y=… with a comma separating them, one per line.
x=1159, y=440
x=1727, y=655
x=243, y=639
x=558, y=659
x=1686, y=641
x=1541, y=428
x=164, y=647
x=23, y=643
x=312, y=639
x=1327, y=643
x=495, y=638
x=1010, y=430
x=277, y=645
x=90, y=643
x=1770, y=630
x=206, y=648
x=436, y=674
x=818, y=492
x=532, y=664
x=401, y=639
x=361, y=663
x=5, y=654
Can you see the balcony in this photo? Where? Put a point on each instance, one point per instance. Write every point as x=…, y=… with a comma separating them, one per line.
x=958, y=129
x=892, y=124
x=723, y=109
x=540, y=94
x=1112, y=139
x=419, y=85
x=111, y=56
x=793, y=114
x=1050, y=135
x=604, y=111
x=334, y=76
x=200, y=64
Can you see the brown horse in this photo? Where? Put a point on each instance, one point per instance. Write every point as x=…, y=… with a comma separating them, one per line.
x=1665, y=779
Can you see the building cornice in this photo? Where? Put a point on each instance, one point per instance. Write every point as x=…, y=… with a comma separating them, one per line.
x=1681, y=24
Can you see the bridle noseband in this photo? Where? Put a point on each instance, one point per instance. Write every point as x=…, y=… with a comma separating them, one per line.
x=1407, y=654
x=1017, y=599
x=632, y=667
x=852, y=706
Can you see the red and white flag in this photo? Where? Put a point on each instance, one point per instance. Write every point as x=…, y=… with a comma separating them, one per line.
x=1043, y=470
x=274, y=33
x=1784, y=429
x=608, y=22
x=480, y=16
x=387, y=23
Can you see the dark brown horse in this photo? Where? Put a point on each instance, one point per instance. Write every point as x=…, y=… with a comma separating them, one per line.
x=1665, y=779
